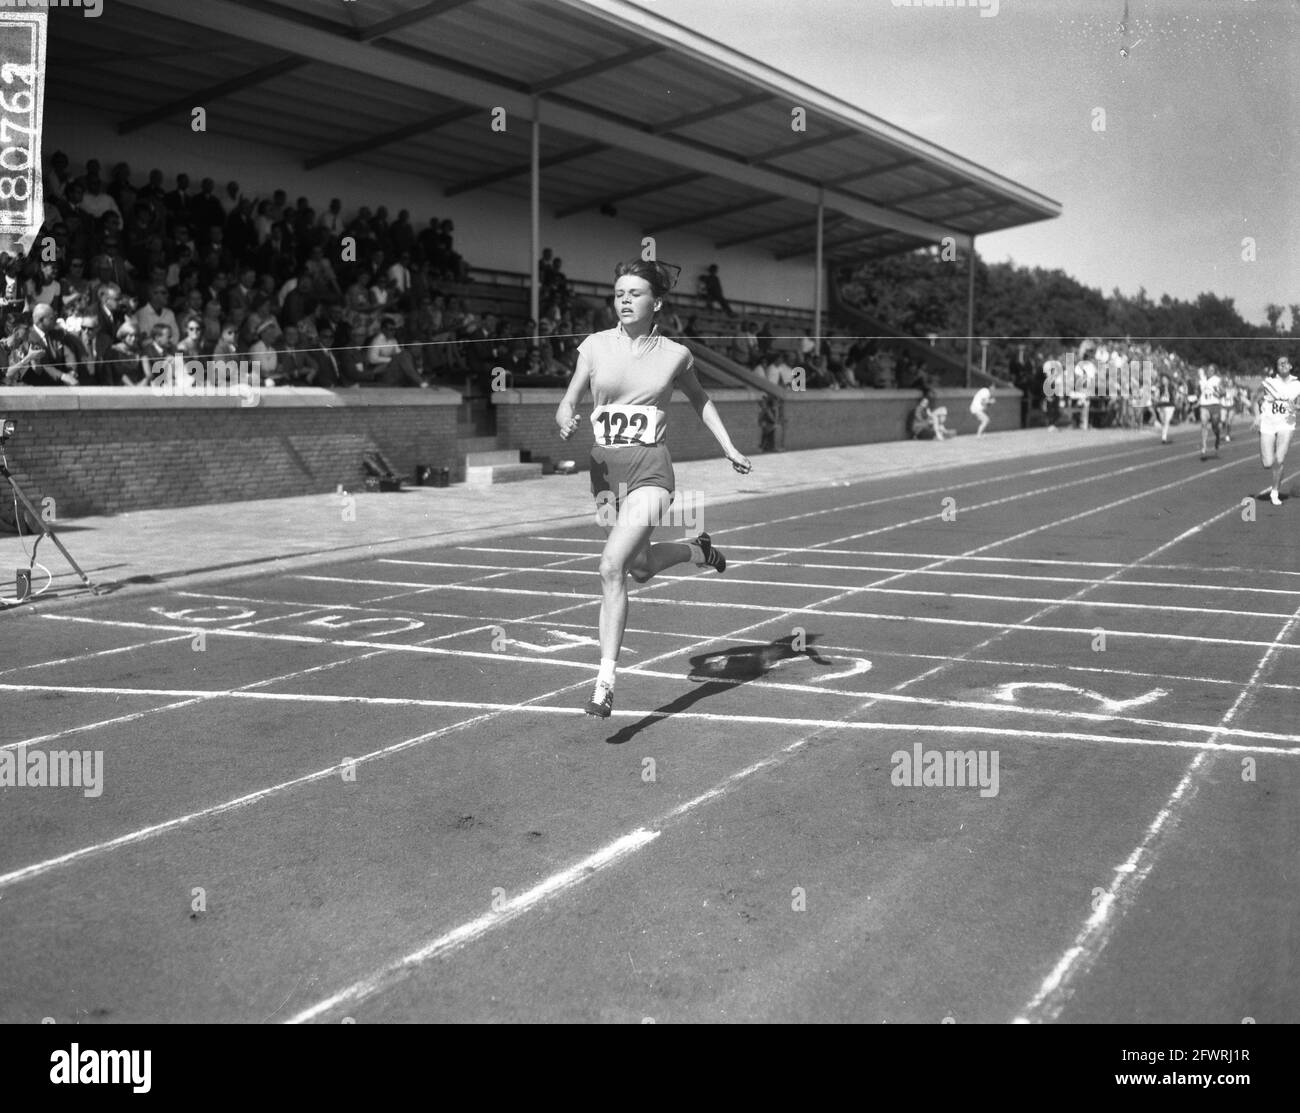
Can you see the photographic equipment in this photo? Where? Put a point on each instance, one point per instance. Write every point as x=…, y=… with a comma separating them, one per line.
x=23, y=503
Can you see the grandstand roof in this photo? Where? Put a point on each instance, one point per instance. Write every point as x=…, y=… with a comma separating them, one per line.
x=676, y=130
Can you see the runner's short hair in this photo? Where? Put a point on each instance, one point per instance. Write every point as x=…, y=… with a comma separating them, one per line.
x=661, y=276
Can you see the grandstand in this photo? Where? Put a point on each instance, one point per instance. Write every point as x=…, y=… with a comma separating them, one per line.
x=524, y=116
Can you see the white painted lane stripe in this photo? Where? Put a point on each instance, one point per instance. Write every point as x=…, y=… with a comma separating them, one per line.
x=996, y=709
x=737, y=581
x=946, y=573
x=414, y=647
x=876, y=652
x=157, y=829
x=1082, y=955
x=552, y=886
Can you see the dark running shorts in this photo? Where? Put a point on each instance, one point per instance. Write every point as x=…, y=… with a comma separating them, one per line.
x=621, y=469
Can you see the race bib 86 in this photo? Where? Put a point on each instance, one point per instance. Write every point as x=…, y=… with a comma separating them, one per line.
x=631, y=425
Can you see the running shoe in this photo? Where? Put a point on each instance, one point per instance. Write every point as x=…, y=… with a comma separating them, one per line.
x=712, y=558
x=1274, y=497
x=602, y=700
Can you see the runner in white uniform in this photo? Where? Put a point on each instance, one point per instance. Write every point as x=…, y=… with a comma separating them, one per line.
x=1278, y=397
x=1229, y=406
x=979, y=407
x=632, y=371
x=1210, y=402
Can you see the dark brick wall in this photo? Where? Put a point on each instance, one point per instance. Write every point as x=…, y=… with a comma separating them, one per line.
x=97, y=455
x=813, y=419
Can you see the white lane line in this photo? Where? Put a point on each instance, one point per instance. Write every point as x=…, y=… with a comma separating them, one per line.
x=780, y=612
x=729, y=783
x=952, y=574
x=158, y=829
x=992, y=662
x=737, y=581
x=1082, y=955
x=726, y=785
x=96, y=654
x=1000, y=709
x=552, y=886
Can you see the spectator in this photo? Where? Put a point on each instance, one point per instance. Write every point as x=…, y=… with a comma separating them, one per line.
x=329, y=374
x=191, y=342
x=206, y=211
x=769, y=422
x=44, y=289
x=294, y=367
x=979, y=408
x=158, y=347
x=180, y=203
x=765, y=341
x=711, y=290
x=96, y=201
x=156, y=312
x=263, y=352
x=231, y=200
x=920, y=422
x=388, y=363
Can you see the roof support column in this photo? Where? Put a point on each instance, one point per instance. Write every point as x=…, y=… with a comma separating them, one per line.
x=817, y=283
x=970, y=314
x=535, y=205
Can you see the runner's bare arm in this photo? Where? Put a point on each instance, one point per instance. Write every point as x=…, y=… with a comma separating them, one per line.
x=689, y=384
x=565, y=415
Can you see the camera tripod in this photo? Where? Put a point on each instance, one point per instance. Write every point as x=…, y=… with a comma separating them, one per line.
x=46, y=530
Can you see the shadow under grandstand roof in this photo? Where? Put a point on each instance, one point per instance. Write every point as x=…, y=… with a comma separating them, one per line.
x=675, y=129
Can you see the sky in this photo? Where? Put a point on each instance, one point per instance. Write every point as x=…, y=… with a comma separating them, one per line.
x=1201, y=147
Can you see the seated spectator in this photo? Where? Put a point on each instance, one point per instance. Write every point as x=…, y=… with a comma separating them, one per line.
x=121, y=361
x=44, y=288
x=262, y=351
x=156, y=312
x=159, y=346
x=329, y=373
x=227, y=346
x=53, y=360
x=97, y=201
x=191, y=342
x=16, y=355
x=387, y=362
x=920, y=422
x=294, y=367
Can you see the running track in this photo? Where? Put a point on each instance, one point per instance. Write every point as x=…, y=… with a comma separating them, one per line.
x=379, y=776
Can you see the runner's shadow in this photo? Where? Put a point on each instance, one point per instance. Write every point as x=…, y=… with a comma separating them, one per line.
x=716, y=673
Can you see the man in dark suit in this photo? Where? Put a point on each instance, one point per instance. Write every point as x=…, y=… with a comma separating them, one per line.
x=53, y=359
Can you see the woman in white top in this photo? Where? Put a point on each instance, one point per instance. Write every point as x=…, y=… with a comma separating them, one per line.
x=632, y=371
x=1277, y=399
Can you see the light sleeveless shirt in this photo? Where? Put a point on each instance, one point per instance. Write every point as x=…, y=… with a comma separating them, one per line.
x=640, y=372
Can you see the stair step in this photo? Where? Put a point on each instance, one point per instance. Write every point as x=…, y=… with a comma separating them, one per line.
x=492, y=457
x=501, y=473
x=478, y=443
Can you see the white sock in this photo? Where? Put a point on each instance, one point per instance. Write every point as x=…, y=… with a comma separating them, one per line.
x=697, y=553
x=606, y=673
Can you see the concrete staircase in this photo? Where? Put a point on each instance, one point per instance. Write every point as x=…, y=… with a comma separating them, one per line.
x=482, y=461
x=500, y=465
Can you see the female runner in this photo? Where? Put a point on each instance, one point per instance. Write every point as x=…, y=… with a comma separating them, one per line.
x=632, y=371
x=1278, y=397
x=1165, y=406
